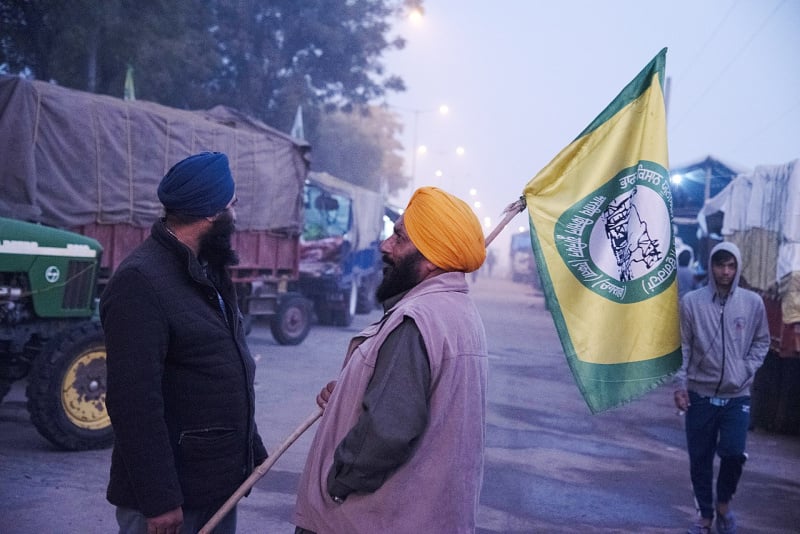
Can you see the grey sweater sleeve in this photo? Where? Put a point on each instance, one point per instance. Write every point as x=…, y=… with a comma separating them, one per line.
x=395, y=415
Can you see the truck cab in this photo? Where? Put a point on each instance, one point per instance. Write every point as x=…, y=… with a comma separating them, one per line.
x=340, y=264
x=523, y=264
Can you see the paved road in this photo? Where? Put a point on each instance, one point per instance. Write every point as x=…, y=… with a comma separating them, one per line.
x=551, y=466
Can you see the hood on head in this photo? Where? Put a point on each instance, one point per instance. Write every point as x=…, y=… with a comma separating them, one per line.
x=733, y=249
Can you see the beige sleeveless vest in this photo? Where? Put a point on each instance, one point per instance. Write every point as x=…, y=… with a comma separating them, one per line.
x=437, y=490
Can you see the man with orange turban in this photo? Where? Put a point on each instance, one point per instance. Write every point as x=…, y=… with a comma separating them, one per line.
x=400, y=444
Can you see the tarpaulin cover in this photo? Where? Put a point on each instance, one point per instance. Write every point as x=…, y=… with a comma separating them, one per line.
x=70, y=158
x=762, y=216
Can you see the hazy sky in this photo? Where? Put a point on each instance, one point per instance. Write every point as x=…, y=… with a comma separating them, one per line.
x=522, y=78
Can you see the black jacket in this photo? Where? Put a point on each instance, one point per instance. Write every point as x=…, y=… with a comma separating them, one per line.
x=180, y=382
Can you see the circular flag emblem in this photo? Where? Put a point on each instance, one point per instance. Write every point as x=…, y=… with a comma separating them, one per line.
x=617, y=241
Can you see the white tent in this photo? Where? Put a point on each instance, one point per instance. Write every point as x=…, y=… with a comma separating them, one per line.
x=762, y=216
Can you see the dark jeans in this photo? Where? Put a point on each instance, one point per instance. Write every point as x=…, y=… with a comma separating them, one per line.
x=301, y=530
x=720, y=430
x=133, y=522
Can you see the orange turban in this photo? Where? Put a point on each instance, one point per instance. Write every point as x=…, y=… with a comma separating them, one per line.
x=445, y=230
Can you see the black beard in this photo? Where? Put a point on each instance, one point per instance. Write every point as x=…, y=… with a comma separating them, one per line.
x=400, y=276
x=215, y=245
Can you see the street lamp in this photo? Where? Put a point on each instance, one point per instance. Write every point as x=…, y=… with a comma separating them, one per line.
x=439, y=173
x=443, y=109
x=415, y=16
x=422, y=150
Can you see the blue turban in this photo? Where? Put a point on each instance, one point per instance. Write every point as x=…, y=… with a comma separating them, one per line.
x=200, y=185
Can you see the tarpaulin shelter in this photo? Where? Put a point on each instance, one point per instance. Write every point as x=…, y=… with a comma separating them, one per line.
x=692, y=185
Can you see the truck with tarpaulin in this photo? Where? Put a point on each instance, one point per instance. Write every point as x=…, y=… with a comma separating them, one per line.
x=79, y=175
x=759, y=211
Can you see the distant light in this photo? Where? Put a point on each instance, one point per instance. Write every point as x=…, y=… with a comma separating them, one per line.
x=460, y=151
x=521, y=229
x=473, y=192
x=477, y=204
x=677, y=178
x=487, y=222
x=415, y=16
x=422, y=149
x=439, y=174
x=444, y=109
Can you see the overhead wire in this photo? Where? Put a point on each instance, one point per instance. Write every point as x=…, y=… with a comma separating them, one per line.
x=735, y=57
x=711, y=36
x=783, y=115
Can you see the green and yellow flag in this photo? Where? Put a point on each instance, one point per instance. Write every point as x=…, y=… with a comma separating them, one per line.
x=601, y=229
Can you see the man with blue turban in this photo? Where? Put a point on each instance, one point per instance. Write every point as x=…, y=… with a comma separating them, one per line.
x=180, y=374
x=400, y=445
x=199, y=186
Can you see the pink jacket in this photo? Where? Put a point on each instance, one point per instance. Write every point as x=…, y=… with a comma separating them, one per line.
x=438, y=489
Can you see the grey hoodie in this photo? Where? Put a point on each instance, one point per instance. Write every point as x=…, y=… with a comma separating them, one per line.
x=724, y=341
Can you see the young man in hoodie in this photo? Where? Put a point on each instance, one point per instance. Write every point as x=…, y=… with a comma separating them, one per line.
x=724, y=338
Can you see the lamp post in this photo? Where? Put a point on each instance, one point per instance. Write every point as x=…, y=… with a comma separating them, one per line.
x=442, y=110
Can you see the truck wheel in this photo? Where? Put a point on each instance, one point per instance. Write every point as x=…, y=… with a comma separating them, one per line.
x=292, y=321
x=344, y=317
x=67, y=390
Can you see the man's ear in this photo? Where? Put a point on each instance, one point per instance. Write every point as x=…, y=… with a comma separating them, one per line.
x=428, y=268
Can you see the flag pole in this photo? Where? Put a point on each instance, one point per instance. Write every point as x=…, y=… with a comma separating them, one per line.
x=511, y=211
x=259, y=472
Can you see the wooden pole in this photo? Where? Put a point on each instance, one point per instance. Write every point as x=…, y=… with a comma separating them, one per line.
x=259, y=472
x=511, y=211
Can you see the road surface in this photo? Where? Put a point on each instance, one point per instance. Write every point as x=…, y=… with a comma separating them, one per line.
x=551, y=466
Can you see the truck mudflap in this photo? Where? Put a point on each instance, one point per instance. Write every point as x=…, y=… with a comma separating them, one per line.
x=338, y=308
x=366, y=301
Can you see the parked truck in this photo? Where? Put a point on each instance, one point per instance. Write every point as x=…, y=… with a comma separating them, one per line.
x=523, y=263
x=759, y=211
x=340, y=261
x=79, y=174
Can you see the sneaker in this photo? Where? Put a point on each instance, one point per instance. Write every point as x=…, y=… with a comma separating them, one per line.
x=699, y=528
x=726, y=524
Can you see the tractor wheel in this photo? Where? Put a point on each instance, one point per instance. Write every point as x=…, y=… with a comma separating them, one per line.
x=292, y=321
x=67, y=390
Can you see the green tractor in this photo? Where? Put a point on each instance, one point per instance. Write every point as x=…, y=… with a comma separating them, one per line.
x=50, y=332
